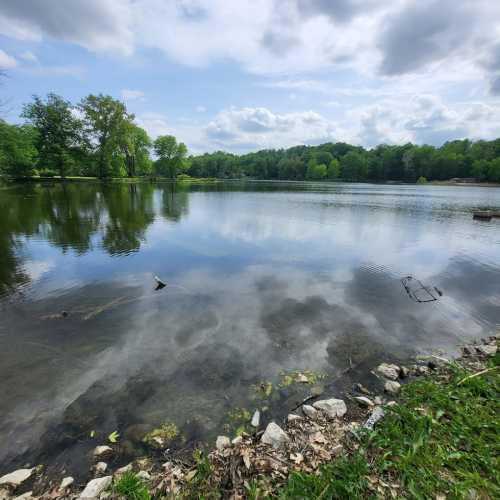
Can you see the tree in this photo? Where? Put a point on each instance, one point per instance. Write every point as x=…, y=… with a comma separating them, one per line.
x=58, y=132
x=135, y=143
x=18, y=153
x=315, y=172
x=334, y=169
x=354, y=166
x=171, y=156
x=105, y=121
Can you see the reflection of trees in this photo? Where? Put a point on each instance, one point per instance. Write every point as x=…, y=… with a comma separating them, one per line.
x=130, y=212
x=175, y=201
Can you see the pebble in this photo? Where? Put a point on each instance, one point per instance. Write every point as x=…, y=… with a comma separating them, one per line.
x=389, y=371
x=274, y=436
x=392, y=387
x=331, y=407
x=95, y=487
x=222, y=442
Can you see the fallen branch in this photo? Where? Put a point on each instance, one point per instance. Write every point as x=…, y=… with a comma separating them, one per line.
x=474, y=375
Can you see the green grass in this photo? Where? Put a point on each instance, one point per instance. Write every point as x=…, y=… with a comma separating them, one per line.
x=443, y=438
x=131, y=487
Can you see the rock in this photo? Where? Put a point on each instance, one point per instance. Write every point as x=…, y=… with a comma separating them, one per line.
x=222, y=442
x=95, y=487
x=124, y=469
x=100, y=467
x=17, y=477
x=361, y=388
x=144, y=475
x=103, y=451
x=4, y=494
x=364, y=401
x=423, y=370
x=274, y=436
x=309, y=411
x=293, y=418
x=237, y=440
x=392, y=387
x=487, y=350
x=302, y=379
x=389, y=371
x=25, y=496
x=377, y=414
x=255, y=419
x=467, y=350
x=331, y=407
x=66, y=482
x=391, y=403
x=378, y=400
x=404, y=372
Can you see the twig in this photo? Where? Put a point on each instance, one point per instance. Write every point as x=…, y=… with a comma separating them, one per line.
x=474, y=375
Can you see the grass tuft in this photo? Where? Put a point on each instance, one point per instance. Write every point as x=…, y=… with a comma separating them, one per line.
x=131, y=487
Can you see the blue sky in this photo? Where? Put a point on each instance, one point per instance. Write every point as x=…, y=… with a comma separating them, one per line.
x=251, y=74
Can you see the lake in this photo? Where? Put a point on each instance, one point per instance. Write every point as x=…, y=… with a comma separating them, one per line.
x=264, y=281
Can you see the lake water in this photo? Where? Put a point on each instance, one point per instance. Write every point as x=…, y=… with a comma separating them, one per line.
x=263, y=280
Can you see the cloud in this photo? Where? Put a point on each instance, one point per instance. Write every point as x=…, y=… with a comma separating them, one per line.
x=29, y=56
x=6, y=61
x=98, y=25
x=133, y=95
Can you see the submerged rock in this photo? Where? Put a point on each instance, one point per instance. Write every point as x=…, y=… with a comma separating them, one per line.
x=274, y=436
x=66, y=482
x=95, y=487
x=103, y=451
x=310, y=411
x=17, y=477
x=389, y=371
x=163, y=436
x=392, y=387
x=331, y=407
x=222, y=442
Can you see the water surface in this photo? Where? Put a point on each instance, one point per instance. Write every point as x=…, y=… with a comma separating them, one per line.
x=261, y=278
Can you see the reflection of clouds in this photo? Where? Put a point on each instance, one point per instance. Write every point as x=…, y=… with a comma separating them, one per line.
x=35, y=269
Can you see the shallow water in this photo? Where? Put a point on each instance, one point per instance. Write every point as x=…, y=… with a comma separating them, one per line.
x=261, y=278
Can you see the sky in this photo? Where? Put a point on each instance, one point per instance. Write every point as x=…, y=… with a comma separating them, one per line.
x=244, y=75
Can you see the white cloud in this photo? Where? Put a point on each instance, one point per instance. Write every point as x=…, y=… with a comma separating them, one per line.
x=133, y=95
x=29, y=56
x=6, y=61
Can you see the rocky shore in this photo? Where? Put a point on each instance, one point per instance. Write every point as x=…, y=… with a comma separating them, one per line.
x=316, y=433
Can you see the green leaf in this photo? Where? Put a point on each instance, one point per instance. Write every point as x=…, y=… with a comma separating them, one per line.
x=113, y=437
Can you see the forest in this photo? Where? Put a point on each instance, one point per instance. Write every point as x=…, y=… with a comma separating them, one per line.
x=98, y=137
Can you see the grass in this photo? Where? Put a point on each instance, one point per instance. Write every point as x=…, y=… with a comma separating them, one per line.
x=443, y=439
x=131, y=487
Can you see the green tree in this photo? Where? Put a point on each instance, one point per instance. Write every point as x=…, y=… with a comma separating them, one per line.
x=18, y=153
x=105, y=122
x=334, y=169
x=59, y=132
x=354, y=166
x=315, y=172
x=171, y=156
x=135, y=144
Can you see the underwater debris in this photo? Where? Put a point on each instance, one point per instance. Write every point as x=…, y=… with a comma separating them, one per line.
x=418, y=292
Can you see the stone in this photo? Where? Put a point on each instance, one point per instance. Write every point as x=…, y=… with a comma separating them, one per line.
x=25, y=496
x=309, y=411
x=488, y=349
x=255, y=419
x=102, y=451
x=362, y=389
x=222, y=442
x=392, y=387
x=467, y=350
x=275, y=436
x=404, y=371
x=391, y=403
x=388, y=371
x=144, y=475
x=331, y=407
x=293, y=418
x=237, y=440
x=100, y=467
x=423, y=370
x=364, y=401
x=122, y=470
x=66, y=482
x=17, y=477
x=378, y=400
x=377, y=414
x=95, y=487
x=5, y=494
x=302, y=379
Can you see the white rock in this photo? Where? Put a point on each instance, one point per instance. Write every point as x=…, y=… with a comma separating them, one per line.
x=391, y=403
x=293, y=418
x=66, y=482
x=423, y=370
x=331, y=407
x=237, y=440
x=126, y=468
x=222, y=442
x=392, y=387
x=274, y=435
x=144, y=475
x=302, y=379
x=488, y=349
x=378, y=400
x=102, y=451
x=389, y=371
x=255, y=419
x=310, y=411
x=100, y=467
x=17, y=477
x=376, y=415
x=95, y=487
x=5, y=494
x=364, y=401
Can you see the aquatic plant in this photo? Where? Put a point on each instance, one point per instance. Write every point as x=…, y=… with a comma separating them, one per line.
x=162, y=436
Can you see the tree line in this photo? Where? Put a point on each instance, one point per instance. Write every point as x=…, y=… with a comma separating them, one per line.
x=98, y=137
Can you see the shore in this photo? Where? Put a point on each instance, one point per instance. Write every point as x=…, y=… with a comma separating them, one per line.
x=430, y=432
